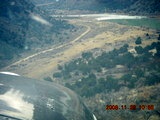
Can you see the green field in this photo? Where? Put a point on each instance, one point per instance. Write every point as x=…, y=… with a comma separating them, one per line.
x=145, y=22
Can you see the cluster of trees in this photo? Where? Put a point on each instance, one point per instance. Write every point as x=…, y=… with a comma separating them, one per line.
x=138, y=40
x=90, y=85
x=141, y=70
x=87, y=62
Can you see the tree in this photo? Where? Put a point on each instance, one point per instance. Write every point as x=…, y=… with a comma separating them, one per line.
x=48, y=79
x=139, y=49
x=152, y=79
x=132, y=82
x=123, y=49
x=138, y=40
x=60, y=67
x=126, y=78
x=153, y=45
x=158, y=49
x=139, y=73
x=69, y=86
x=127, y=59
x=111, y=83
x=147, y=34
x=91, y=80
x=87, y=55
x=159, y=37
x=57, y=75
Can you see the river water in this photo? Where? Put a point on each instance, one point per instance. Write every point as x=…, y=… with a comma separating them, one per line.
x=99, y=17
x=132, y=20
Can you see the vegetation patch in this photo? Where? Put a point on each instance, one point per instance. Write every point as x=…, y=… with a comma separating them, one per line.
x=94, y=78
x=146, y=22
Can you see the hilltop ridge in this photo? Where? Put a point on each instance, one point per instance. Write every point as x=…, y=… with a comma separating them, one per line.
x=143, y=7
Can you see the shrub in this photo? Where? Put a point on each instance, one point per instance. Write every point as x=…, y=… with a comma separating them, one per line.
x=139, y=49
x=159, y=37
x=57, y=75
x=138, y=40
x=48, y=79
